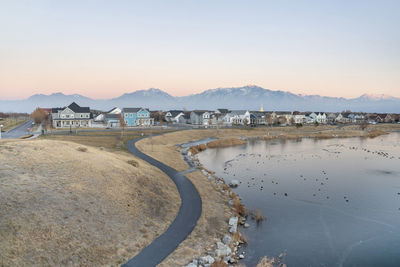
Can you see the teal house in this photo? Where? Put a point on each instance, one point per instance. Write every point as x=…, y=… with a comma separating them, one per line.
x=137, y=117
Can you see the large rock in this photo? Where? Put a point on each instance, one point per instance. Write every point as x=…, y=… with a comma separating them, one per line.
x=227, y=240
x=234, y=183
x=222, y=250
x=206, y=260
x=233, y=223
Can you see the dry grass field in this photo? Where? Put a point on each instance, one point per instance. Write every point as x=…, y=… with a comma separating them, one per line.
x=65, y=204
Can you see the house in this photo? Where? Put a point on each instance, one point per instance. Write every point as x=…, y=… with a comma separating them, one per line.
x=200, y=117
x=374, y=118
x=137, y=117
x=299, y=118
x=71, y=116
x=239, y=117
x=356, y=117
x=101, y=117
x=173, y=115
x=343, y=117
x=112, y=120
x=389, y=118
x=258, y=117
x=321, y=118
x=281, y=117
x=331, y=118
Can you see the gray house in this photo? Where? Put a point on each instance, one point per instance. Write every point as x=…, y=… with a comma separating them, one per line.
x=200, y=117
x=71, y=116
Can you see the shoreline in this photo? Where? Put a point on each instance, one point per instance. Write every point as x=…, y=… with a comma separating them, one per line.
x=169, y=150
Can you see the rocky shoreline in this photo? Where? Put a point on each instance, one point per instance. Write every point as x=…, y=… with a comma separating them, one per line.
x=227, y=249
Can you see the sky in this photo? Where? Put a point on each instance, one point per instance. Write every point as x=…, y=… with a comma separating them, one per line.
x=102, y=49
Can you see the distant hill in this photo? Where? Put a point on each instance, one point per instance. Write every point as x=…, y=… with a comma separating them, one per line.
x=246, y=97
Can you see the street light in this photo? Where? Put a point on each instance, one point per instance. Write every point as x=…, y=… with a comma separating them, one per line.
x=1, y=126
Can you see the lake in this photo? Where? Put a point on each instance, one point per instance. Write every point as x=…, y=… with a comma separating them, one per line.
x=332, y=202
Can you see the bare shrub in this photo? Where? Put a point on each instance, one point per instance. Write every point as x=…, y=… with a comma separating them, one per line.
x=239, y=207
x=259, y=217
x=132, y=162
x=243, y=238
x=82, y=149
x=375, y=133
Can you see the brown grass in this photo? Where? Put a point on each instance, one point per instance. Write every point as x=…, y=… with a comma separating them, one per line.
x=239, y=207
x=61, y=207
x=9, y=123
x=375, y=133
x=219, y=263
x=226, y=142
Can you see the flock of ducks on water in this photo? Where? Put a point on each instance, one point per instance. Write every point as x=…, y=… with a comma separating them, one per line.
x=321, y=181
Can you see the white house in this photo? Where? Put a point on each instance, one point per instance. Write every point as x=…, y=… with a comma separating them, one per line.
x=321, y=118
x=174, y=115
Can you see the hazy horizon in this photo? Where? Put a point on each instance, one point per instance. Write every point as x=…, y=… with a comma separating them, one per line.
x=103, y=49
x=131, y=91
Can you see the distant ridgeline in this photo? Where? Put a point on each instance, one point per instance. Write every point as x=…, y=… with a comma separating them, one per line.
x=238, y=98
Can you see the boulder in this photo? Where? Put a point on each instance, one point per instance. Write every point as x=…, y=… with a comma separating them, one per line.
x=227, y=240
x=222, y=250
x=233, y=223
x=234, y=183
x=206, y=260
x=246, y=225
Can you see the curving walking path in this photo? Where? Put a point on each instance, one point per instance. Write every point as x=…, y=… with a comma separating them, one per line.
x=184, y=223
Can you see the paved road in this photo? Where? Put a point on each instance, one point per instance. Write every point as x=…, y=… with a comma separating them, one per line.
x=18, y=131
x=184, y=223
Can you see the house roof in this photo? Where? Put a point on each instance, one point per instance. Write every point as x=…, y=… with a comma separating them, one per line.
x=55, y=110
x=199, y=112
x=238, y=112
x=78, y=109
x=131, y=110
x=223, y=110
x=175, y=113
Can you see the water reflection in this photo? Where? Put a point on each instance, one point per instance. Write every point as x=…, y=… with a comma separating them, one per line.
x=332, y=202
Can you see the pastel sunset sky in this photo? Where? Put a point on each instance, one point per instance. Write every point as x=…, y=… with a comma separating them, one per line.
x=103, y=49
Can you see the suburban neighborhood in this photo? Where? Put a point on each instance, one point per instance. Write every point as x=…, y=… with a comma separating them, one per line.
x=75, y=116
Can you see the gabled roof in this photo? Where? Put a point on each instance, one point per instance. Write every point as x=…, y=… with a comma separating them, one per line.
x=199, y=112
x=55, y=110
x=78, y=109
x=175, y=113
x=223, y=110
x=238, y=112
x=130, y=110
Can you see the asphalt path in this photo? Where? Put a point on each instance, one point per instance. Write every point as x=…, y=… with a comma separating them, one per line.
x=18, y=131
x=184, y=223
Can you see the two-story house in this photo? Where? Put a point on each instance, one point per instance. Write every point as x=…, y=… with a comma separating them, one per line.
x=137, y=117
x=71, y=116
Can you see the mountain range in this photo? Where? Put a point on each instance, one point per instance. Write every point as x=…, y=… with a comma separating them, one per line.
x=246, y=97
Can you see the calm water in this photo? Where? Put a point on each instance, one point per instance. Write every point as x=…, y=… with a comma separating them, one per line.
x=343, y=199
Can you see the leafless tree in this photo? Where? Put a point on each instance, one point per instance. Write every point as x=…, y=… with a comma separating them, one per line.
x=122, y=124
